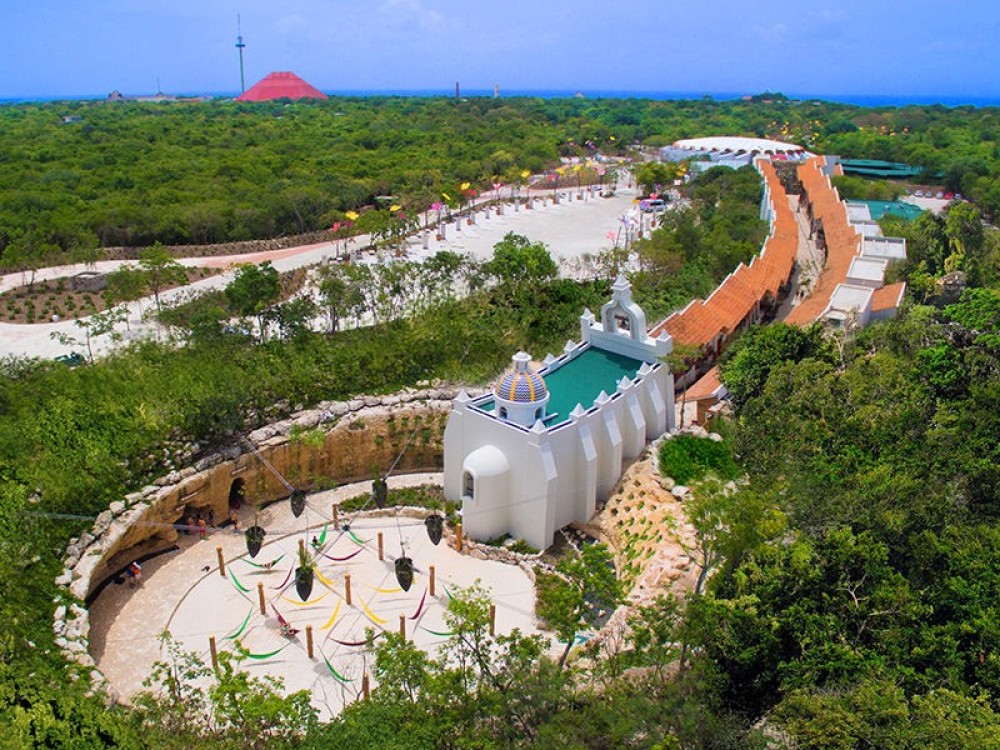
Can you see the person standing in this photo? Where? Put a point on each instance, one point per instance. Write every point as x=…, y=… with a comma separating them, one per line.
x=134, y=573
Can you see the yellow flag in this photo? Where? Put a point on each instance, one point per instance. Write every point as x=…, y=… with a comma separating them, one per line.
x=394, y=208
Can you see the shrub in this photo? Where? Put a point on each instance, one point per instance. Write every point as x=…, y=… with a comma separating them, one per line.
x=686, y=458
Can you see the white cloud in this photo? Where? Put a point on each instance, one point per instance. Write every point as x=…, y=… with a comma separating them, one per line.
x=409, y=11
x=828, y=15
x=770, y=34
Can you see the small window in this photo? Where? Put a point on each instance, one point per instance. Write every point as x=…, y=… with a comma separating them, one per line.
x=468, y=486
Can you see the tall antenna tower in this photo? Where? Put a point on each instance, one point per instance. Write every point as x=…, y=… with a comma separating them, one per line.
x=240, y=45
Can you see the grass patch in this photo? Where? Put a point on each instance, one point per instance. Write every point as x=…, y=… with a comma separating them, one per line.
x=687, y=459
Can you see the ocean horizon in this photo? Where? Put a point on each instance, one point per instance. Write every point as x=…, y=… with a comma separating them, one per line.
x=863, y=100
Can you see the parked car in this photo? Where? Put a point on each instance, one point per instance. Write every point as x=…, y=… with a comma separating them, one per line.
x=71, y=360
x=653, y=206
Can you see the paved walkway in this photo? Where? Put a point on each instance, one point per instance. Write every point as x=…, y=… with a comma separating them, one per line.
x=570, y=229
x=808, y=263
x=182, y=592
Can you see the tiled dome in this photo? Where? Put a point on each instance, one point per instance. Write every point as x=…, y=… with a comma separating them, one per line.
x=522, y=384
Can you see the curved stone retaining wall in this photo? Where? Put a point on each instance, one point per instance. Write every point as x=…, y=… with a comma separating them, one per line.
x=335, y=443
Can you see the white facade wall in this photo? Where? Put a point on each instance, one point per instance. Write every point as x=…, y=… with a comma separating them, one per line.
x=531, y=482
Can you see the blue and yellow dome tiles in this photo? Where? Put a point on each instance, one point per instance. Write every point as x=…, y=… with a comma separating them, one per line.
x=521, y=385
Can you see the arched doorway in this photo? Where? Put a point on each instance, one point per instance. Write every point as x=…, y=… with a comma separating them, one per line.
x=237, y=493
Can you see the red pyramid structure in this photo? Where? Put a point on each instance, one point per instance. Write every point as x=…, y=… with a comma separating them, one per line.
x=280, y=86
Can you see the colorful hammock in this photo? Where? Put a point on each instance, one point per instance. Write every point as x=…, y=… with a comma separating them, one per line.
x=374, y=617
x=355, y=644
x=396, y=590
x=305, y=604
x=334, y=672
x=333, y=617
x=354, y=538
x=266, y=566
x=438, y=633
x=269, y=654
x=283, y=583
x=322, y=579
x=236, y=583
x=345, y=558
x=322, y=537
x=242, y=627
x=420, y=608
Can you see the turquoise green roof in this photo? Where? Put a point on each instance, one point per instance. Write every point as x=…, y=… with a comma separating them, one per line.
x=878, y=168
x=581, y=380
x=879, y=209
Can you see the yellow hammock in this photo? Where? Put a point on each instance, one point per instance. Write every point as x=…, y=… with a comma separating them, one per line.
x=389, y=591
x=374, y=617
x=323, y=579
x=304, y=604
x=333, y=617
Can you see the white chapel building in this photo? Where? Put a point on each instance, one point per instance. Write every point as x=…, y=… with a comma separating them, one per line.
x=541, y=449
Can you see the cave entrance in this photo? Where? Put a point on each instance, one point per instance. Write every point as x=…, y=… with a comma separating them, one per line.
x=237, y=493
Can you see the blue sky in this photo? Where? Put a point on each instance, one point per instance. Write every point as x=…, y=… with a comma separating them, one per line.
x=892, y=47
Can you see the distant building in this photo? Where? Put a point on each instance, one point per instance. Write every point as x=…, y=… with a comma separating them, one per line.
x=729, y=151
x=282, y=85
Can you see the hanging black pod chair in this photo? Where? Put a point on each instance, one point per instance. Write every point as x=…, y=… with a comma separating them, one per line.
x=380, y=492
x=435, y=526
x=404, y=572
x=255, y=539
x=298, y=502
x=304, y=581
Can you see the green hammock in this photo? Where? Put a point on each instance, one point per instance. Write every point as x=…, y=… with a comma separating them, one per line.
x=438, y=633
x=357, y=540
x=268, y=566
x=334, y=672
x=267, y=655
x=447, y=592
x=236, y=583
x=322, y=537
x=243, y=627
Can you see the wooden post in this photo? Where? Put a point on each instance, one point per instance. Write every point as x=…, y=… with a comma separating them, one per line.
x=215, y=653
x=260, y=598
x=458, y=536
x=432, y=580
x=364, y=685
x=309, y=640
x=402, y=625
x=222, y=561
x=336, y=515
x=347, y=588
x=493, y=619
x=302, y=546
x=381, y=552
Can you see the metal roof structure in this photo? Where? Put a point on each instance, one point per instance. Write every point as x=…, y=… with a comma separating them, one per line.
x=741, y=145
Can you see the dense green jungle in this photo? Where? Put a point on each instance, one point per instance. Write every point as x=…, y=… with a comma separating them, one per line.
x=133, y=173
x=851, y=579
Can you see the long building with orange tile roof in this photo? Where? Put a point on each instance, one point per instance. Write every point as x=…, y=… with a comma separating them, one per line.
x=748, y=291
x=850, y=286
x=840, y=292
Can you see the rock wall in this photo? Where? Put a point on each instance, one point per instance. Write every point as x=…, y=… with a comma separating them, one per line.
x=335, y=443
